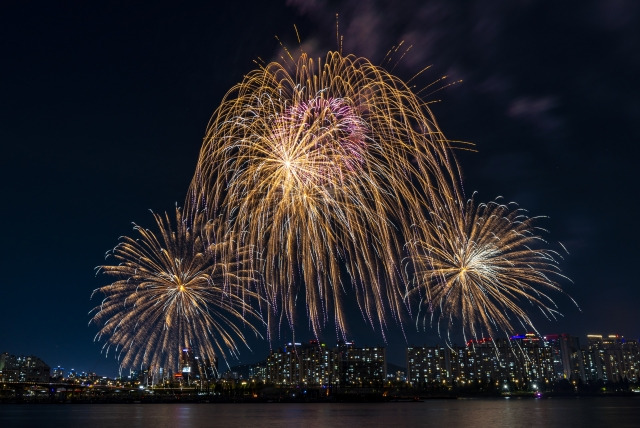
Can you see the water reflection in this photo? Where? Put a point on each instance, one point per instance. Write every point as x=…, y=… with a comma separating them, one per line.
x=503, y=412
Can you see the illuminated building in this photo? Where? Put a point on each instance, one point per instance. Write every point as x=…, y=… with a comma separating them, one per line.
x=611, y=358
x=57, y=373
x=194, y=368
x=526, y=360
x=258, y=372
x=521, y=360
x=301, y=364
x=631, y=360
x=487, y=360
x=283, y=365
x=361, y=366
x=532, y=357
x=567, y=357
x=314, y=364
x=317, y=364
x=594, y=359
x=23, y=369
x=428, y=364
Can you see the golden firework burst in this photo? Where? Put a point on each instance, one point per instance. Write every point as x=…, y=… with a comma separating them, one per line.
x=323, y=166
x=484, y=265
x=177, y=288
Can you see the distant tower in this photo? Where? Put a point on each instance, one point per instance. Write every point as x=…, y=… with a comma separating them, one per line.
x=193, y=367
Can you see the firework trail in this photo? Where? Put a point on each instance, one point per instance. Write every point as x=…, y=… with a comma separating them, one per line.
x=174, y=290
x=323, y=166
x=483, y=265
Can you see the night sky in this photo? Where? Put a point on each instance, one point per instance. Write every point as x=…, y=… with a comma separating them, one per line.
x=103, y=108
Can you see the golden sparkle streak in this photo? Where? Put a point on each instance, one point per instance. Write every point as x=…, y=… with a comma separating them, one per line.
x=483, y=265
x=176, y=288
x=322, y=166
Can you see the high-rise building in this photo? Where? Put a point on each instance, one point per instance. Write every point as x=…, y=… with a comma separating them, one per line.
x=315, y=364
x=23, y=369
x=427, y=365
x=611, y=358
x=488, y=360
x=361, y=367
x=567, y=357
x=532, y=357
x=57, y=373
x=311, y=363
x=631, y=360
x=521, y=360
x=192, y=367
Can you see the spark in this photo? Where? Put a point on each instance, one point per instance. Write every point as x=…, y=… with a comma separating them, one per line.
x=484, y=265
x=174, y=290
x=322, y=166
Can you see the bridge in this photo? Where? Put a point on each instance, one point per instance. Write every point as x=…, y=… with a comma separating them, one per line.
x=58, y=392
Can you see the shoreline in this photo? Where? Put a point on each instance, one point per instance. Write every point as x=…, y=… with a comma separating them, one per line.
x=184, y=399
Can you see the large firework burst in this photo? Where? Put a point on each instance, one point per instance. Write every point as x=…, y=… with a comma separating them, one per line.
x=484, y=265
x=175, y=290
x=323, y=167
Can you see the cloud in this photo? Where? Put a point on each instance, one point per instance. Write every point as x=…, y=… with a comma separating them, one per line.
x=538, y=111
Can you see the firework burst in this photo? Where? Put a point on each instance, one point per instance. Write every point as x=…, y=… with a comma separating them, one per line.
x=173, y=291
x=323, y=166
x=484, y=265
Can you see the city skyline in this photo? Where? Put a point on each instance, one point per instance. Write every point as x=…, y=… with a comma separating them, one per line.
x=522, y=366
x=223, y=369
x=105, y=110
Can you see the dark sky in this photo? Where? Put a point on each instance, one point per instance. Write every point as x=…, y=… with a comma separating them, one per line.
x=103, y=108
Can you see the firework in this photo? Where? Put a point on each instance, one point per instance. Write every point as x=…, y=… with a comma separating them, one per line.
x=173, y=291
x=323, y=166
x=484, y=265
